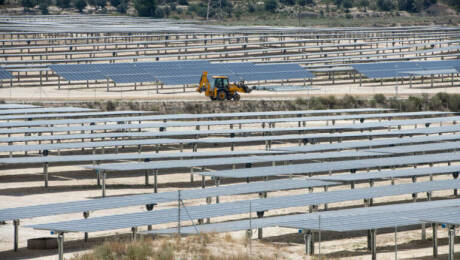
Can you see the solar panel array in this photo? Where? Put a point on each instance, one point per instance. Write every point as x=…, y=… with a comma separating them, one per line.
x=400, y=69
x=316, y=160
x=179, y=72
x=5, y=74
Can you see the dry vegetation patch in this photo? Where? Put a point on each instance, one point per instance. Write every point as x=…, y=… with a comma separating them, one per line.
x=203, y=247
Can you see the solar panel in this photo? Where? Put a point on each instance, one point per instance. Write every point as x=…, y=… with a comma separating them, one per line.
x=132, y=78
x=82, y=76
x=155, y=217
x=315, y=168
x=152, y=198
x=17, y=106
x=5, y=74
x=390, y=174
x=280, y=220
x=156, y=165
x=44, y=110
x=398, y=69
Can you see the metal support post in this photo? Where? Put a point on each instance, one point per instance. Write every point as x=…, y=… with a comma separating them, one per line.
x=103, y=183
x=435, y=239
x=309, y=242
x=260, y=235
x=60, y=240
x=155, y=181
x=149, y=207
x=134, y=233
x=374, y=244
x=16, y=234
x=45, y=174
x=86, y=215
x=178, y=211
x=451, y=242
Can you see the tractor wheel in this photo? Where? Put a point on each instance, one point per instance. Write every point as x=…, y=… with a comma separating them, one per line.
x=221, y=95
x=236, y=97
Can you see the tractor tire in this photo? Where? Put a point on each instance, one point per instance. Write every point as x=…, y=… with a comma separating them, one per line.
x=222, y=95
x=236, y=97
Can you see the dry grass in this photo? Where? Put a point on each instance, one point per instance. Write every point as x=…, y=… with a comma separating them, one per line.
x=203, y=247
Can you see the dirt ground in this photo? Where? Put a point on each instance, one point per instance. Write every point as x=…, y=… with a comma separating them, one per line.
x=29, y=94
x=23, y=187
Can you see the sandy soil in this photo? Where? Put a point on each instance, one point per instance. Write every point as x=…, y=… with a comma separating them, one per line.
x=50, y=93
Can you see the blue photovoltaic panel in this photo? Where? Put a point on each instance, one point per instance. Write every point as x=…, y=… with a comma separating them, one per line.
x=179, y=72
x=397, y=69
x=82, y=76
x=5, y=74
x=132, y=78
x=276, y=75
x=179, y=80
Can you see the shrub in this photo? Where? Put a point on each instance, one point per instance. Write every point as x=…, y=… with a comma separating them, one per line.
x=385, y=5
x=271, y=5
x=63, y=3
x=43, y=5
x=347, y=4
x=28, y=4
x=183, y=2
x=115, y=3
x=380, y=99
x=123, y=6
x=80, y=5
x=145, y=7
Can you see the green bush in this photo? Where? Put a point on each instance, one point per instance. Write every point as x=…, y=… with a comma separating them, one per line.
x=385, y=5
x=271, y=5
x=28, y=3
x=115, y=3
x=80, y=5
x=43, y=6
x=145, y=8
x=63, y=3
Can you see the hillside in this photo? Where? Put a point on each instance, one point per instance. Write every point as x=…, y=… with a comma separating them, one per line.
x=263, y=12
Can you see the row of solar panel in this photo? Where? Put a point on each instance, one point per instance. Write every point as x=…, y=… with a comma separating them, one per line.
x=178, y=73
x=401, y=69
x=5, y=74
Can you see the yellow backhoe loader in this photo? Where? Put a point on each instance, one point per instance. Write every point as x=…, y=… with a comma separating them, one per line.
x=220, y=88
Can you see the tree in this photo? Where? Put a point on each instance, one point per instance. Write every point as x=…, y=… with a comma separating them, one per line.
x=271, y=5
x=100, y=3
x=80, y=5
x=28, y=4
x=145, y=7
x=347, y=4
x=364, y=4
x=338, y=3
x=115, y=3
x=123, y=6
x=43, y=5
x=63, y=3
x=385, y=5
x=288, y=2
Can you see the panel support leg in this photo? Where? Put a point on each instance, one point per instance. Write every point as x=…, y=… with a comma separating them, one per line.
x=374, y=244
x=435, y=239
x=155, y=181
x=16, y=234
x=45, y=174
x=103, y=183
x=60, y=240
x=451, y=242
x=86, y=215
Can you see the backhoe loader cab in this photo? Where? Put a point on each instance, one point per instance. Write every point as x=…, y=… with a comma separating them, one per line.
x=220, y=88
